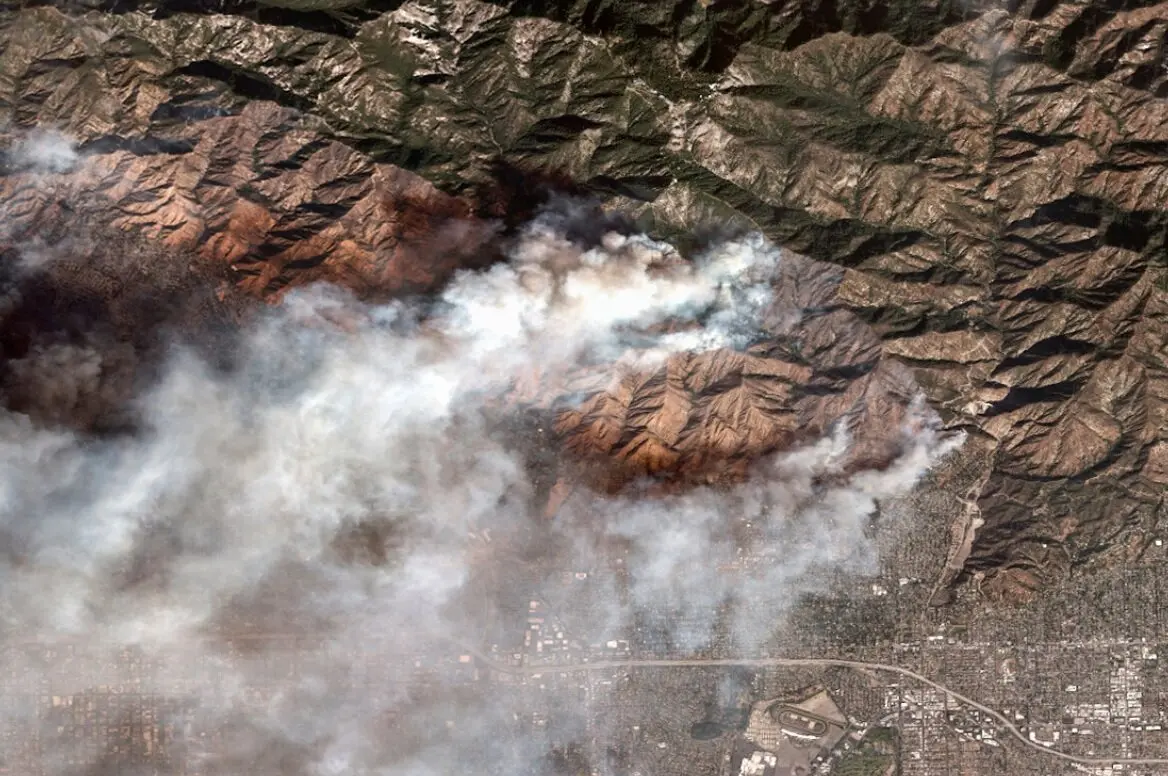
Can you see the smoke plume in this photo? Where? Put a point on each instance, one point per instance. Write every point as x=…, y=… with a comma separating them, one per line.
x=366, y=479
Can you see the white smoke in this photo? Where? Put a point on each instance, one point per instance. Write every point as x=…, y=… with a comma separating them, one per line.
x=226, y=508
x=381, y=420
x=686, y=561
x=554, y=303
x=43, y=151
x=41, y=156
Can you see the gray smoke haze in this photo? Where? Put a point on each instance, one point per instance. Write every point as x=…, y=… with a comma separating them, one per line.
x=361, y=477
x=41, y=155
x=42, y=151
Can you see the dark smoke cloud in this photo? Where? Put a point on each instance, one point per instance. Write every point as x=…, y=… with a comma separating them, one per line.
x=88, y=313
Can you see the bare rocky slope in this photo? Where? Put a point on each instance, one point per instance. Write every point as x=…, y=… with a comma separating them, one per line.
x=979, y=190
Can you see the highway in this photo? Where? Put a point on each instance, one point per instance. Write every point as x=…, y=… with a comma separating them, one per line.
x=796, y=662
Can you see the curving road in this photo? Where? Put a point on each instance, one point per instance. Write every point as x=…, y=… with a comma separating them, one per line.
x=791, y=662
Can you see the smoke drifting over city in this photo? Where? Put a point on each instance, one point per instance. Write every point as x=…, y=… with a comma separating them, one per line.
x=380, y=474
